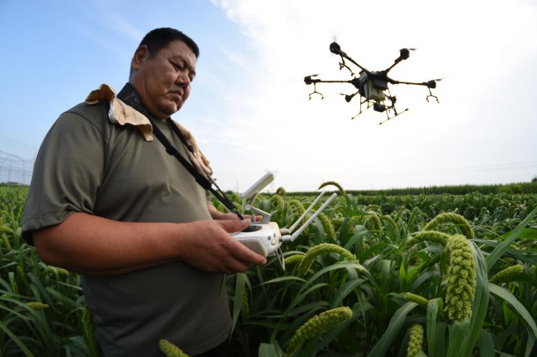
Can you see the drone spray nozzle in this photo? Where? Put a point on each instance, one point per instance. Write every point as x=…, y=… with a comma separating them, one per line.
x=335, y=48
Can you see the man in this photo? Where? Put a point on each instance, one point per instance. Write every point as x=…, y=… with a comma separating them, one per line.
x=108, y=202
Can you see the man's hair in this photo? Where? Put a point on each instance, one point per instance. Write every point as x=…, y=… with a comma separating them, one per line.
x=159, y=38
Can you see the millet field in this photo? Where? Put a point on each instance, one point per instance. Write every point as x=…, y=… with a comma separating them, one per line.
x=403, y=274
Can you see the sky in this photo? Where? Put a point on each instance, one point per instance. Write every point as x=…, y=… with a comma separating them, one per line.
x=249, y=108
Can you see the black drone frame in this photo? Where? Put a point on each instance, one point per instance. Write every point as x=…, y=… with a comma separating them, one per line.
x=372, y=87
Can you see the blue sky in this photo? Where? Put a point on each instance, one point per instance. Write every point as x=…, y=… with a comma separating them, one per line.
x=249, y=108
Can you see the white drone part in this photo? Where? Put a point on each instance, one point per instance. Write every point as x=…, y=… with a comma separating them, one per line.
x=290, y=238
x=292, y=228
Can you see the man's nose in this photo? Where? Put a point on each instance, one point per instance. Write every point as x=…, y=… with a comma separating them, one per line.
x=183, y=79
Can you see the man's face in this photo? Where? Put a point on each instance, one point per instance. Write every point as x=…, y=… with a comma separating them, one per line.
x=163, y=81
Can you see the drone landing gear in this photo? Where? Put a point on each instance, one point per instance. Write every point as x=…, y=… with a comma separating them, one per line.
x=362, y=101
x=315, y=92
x=391, y=117
x=431, y=96
x=342, y=65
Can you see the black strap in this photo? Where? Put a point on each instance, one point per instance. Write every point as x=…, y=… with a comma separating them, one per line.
x=203, y=181
x=170, y=149
x=130, y=96
x=176, y=130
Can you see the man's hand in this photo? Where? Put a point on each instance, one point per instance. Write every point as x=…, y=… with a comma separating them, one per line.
x=210, y=247
x=89, y=244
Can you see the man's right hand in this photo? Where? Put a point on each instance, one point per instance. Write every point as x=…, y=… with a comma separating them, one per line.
x=208, y=246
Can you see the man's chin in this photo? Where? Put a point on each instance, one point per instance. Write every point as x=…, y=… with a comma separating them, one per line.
x=170, y=110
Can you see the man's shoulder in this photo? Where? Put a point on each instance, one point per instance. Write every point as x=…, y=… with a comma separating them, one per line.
x=91, y=112
x=95, y=115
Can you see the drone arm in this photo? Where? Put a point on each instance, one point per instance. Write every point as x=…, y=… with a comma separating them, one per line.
x=315, y=80
x=336, y=49
x=429, y=84
x=404, y=54
x=344, y=55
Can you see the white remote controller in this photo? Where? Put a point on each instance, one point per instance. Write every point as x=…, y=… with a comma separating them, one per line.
x=265, y=237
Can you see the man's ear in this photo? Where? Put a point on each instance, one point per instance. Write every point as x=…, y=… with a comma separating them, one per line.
x=140, y=55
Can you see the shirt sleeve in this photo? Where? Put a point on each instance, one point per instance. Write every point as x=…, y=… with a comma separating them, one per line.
x=67, y=173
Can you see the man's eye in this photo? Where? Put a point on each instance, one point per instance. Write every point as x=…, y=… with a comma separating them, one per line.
x=177, y=67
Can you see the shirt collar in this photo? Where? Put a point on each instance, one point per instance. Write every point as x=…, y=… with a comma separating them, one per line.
x=129, y=95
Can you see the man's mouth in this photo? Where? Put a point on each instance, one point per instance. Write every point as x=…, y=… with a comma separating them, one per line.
x=177, y=95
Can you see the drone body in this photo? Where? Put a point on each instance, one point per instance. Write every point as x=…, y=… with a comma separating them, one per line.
x=372, y=87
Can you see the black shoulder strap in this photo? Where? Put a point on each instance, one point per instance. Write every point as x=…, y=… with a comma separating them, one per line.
x=130, y=96
x=204, y=182
x=170, y=149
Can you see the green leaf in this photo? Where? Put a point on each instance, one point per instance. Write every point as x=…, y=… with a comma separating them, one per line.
x=486, y=344
x=517, y=305
x=357, y=237
x=510, y=238
x=284, y=278
x=392, y=331
x=269, y=350
x=15, y=339
x=345, y=290
x=402, y=277
x=432, y=331
x=422, y=278
x=240, y=280
x=529, y=345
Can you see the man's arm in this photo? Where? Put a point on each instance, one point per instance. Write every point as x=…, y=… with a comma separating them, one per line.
x=89, y=244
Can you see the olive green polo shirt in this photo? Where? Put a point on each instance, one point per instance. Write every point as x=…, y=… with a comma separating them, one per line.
x=89, y=164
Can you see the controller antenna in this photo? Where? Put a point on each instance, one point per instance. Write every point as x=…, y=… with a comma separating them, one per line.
x=290, y=238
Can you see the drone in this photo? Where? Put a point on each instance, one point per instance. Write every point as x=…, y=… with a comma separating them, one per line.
x=372, y=86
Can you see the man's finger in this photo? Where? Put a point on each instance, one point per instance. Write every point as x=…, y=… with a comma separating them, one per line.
x=248, y=256
x=231, y=226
